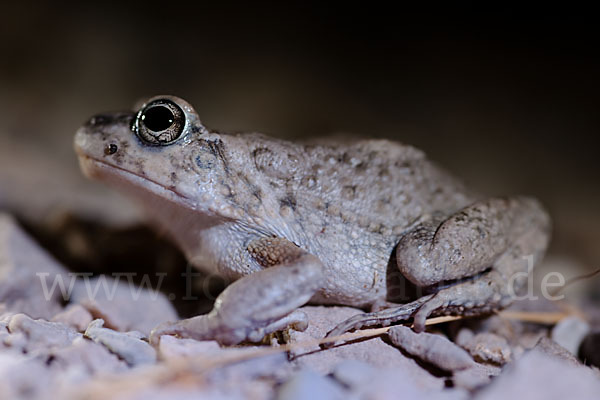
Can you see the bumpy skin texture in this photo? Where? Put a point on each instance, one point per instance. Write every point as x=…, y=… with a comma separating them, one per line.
x=244, y=204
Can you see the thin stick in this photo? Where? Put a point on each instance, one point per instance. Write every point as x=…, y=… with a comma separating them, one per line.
x=261, y=352
x=548, y=318
x=574, y=280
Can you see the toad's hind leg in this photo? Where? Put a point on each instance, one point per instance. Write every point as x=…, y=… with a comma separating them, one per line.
x=484, y=246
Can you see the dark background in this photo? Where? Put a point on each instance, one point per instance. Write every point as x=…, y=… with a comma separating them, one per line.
x=508, y=103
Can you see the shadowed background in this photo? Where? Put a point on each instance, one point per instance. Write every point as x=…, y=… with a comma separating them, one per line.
x=509, y=104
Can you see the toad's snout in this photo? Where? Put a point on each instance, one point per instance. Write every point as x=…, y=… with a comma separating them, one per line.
x=101, y=134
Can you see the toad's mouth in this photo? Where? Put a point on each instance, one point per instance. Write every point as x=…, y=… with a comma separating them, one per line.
x=131, y=183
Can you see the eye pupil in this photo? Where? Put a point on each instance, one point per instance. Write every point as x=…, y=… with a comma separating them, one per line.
x=158, y=118
x=159, y=123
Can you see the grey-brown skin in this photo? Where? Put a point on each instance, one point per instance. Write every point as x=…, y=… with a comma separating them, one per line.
x=295, y=223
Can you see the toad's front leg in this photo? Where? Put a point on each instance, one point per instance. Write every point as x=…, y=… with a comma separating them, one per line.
x=260, y=303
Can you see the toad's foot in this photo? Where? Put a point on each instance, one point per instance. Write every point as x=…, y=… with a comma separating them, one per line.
x=202, y=327
x=481, y=295
x=383, y=317
x=257, y=304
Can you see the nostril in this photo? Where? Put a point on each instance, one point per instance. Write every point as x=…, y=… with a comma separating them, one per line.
x=110, y=149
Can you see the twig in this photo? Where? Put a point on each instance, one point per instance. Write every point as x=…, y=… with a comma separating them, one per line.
x=548, y=318
x=205, y=364
x=574, y=280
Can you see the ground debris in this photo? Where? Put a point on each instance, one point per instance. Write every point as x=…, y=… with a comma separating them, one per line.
x=42, y=335
x=537, y=375
x=127, y=346
x=570, y=332
x=434, y=349
x=123, y=306
x=27, y=273
x=75, y=316
x=485, y=347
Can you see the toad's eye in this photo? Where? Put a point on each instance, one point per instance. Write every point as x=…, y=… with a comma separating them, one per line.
x=159, y=122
